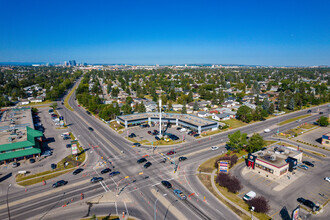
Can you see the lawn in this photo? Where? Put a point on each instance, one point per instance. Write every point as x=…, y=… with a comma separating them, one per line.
x=293, y=119
x=42, y=177
x=234, y=123
x=115, y=126
x=40, y=103
x=208, y=133
x=308, y=126
x=66, y=101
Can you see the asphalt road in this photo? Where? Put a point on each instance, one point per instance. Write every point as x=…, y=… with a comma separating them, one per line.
x=104, y=146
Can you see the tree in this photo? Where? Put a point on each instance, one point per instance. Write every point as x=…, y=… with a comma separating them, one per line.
x=260, y=204
x=142, y=108
x=129, y=100
x=196, y=106
x=237, y=140
x=184, y=109
x=244, y=114
x=255, y=143
x=265, y=104
x=271, y=108
x=170, y=107
x=127, y=109
x=54, y=106
x=323, y=121
x=291, y=104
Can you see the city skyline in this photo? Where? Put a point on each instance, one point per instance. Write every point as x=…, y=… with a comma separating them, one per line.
x=245, y=33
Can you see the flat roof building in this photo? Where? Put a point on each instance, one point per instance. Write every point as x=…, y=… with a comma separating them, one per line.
x=18, y=139
x=276, y=160
x=326, y=139
x=190, y=121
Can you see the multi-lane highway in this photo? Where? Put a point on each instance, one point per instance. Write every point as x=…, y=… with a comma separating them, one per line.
x=136, y=191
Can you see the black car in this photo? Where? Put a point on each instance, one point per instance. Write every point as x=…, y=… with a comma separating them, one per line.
x=137, y=144
x=309, y=111
x=68, y=145
x=142, y=160
x=157, y=138
x=148, y=164
x=66, y=137
x=32, y=160
x=60, y=183
x=114, y=173
x=77, y=171
x=106, y=170
x=90, y=128
x=196, y=135
x=132, y=135
x=308, y=203
x=88, y=112
x=167, y=184
x=182, y=158
x=308, y=163
x=178, y=128
x=96, y=179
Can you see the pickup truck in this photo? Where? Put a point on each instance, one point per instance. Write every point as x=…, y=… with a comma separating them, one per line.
x=248, y=196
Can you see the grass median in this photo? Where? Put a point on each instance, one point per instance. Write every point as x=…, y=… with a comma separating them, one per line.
x=66, y=100
x=293, y=119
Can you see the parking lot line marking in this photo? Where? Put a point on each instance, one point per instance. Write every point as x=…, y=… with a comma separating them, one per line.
x=275, y=213
x=258, y=177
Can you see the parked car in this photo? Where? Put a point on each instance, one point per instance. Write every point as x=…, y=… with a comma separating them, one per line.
x=14, y=165
x=167, y=184
x=148, y=164
x=32, y=160
x=142, y=160
x=157, y=138
x=250, y=195
x=196, y=135
x=106, y=170
x=183, y=130
x=327, y=179
x=66, y=137
x=308, y=163
x=149, y=132
x=179, y=194
x=114, y=173
x=96, y=179
x=308, y=203
x=77, y=171
x=170, y=153
x=90, y=128
x=136, y=145
x=302, y=166
x=182, y=158
x=60, y=183
x=178, y=128
x=214, y=148
x=68, y=145
x=88, y=112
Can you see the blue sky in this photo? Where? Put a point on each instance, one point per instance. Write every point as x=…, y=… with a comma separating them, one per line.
x=166, y=32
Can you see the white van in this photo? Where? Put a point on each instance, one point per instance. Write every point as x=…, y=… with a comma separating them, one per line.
x=250, y=195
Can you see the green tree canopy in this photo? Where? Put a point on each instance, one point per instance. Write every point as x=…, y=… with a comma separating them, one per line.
x=237, y=140
x=255, y=143
x=323, y=121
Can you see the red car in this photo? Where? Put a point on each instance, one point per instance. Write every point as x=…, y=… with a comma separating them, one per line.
x=149, y=132
x=78, y=105
x=170, y=153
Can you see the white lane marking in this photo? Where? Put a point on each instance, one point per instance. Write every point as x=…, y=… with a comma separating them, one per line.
x=126, y=208
x=116, y=208
x=155, y=184
x=103, y=186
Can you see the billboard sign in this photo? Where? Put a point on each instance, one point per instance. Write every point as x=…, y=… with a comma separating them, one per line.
x=74, y=147
x=223, y=166
x=295, y=213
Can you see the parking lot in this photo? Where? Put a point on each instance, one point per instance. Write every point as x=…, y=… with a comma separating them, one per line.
x=314, y=136
x=150, y=133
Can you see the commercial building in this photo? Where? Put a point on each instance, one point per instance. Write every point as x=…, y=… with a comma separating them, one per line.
x=18, y=139
x=326, y=140
x=185, y=120
x=275, y=161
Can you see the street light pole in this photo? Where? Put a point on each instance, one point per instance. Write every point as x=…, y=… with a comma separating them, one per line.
x=7, y=202
x=155, y=217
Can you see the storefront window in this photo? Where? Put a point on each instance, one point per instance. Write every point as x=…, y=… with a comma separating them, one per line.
x=264, y=168
x=283, y=171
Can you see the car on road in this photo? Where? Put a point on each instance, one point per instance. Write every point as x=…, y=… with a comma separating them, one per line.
x=250, y=195
x=148, y=164
x=178, y=128
x=327, y=179
x=136, y=145
x=142, y=160
x=32, y=160
x=60, y=183
x=308, y=163
x=114, y=173
x=182, y=158
x=214, y=148
x=106, y=170
x=308, y=203
x=90, y=128
x=78, y=105
x=88, y=112
x=321, y=113
x=179, y=194
x=170, y=153
x=77, y=171
x=96, y=179
x=309, y=111
x=167, y=184
x=302, y=166
x=267, y=130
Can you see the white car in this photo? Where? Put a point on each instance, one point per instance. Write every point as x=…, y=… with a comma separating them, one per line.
x=267, y=130
x=183, y=130
x=250, y=195
x=327, y=179
x=214, y=148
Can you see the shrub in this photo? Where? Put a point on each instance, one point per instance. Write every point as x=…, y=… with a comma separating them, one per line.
x=230, y=182
x=260, y=204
